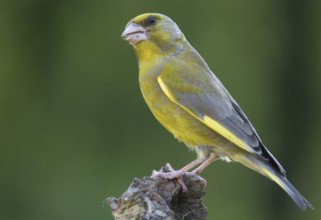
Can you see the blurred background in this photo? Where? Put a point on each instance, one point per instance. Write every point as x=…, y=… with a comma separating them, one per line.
x=74, y=128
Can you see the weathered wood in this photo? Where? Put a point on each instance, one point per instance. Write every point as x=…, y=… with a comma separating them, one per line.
x=157, y=198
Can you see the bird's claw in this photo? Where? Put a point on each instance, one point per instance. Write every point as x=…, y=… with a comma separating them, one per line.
x=172, y=174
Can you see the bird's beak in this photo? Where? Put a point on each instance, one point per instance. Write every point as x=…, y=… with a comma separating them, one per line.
x=134, y=33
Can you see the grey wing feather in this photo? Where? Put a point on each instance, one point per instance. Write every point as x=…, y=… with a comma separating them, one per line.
x=217, y=103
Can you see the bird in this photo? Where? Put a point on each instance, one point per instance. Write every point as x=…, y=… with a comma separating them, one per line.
x=188, y=99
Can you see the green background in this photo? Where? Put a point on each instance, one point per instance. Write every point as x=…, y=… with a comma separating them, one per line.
x=74, y=128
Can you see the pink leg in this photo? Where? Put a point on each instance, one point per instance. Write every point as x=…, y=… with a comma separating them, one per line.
x=179, y=178
x=207, y=162
x=174, y=174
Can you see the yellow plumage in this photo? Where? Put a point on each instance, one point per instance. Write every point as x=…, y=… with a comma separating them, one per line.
x=191, y=103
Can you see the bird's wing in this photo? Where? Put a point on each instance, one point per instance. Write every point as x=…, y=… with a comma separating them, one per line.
x=203, y=96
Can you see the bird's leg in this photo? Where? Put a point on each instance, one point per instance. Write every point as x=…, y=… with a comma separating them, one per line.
x=179, y=178
x=177, y=173
x=207, y=162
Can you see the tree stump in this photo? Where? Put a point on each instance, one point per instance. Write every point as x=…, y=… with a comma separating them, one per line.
x=156, y=198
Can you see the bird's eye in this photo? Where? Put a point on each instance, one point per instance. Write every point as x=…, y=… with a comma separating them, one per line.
x=151, y=20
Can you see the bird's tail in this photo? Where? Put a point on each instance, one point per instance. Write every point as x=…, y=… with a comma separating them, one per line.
x=270, y=172
x=287, y=186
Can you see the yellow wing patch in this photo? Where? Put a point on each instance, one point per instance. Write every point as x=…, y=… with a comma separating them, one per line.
x=208, y=121
x=226, y=133
x=165, y=89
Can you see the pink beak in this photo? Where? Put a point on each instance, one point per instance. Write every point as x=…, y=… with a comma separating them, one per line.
x=134, y=33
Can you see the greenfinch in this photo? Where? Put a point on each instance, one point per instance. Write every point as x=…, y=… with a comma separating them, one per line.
x=188, y=99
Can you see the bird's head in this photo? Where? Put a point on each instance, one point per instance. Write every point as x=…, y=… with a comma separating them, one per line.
x=153, y=31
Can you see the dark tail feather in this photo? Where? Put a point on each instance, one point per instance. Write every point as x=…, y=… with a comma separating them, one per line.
x=279, y=177
x=293, y=193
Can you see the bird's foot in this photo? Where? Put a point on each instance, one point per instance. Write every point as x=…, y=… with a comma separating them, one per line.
x=172, y=174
